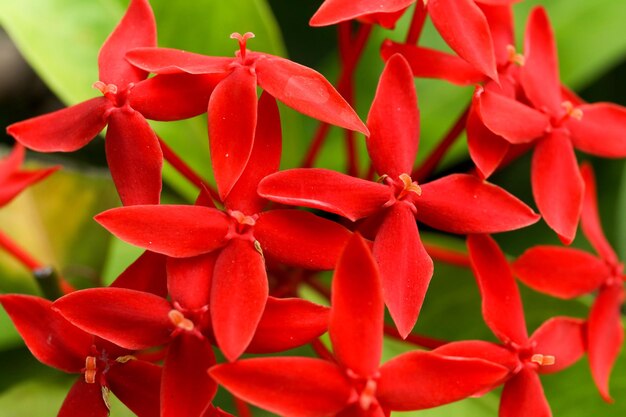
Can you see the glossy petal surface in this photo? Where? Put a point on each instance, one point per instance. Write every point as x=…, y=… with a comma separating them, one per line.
x=335, y=11
x=64, y=130
x=174, y=61
x=84, y=400
x=146, y=274
x=238, y=296
x=523, y=396
x=179, y=231
x=601, y=130
x=189, y=280
x=563, y=338
x=557, y=184
x=137, y=384
x=405, y=267
x=352, y=198
x=486, y=148
x=292, y=386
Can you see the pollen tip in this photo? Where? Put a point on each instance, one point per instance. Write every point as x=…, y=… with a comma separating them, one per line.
x=543, y=360
x=180, y=320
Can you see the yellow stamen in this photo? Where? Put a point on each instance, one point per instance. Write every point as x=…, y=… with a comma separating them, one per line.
x=514, y=57
x=543, y=360
x=180, y=321
x=90, y=369
x=573, y=112
x=410, y=186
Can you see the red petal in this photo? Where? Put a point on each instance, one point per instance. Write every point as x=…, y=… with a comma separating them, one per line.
x=189, y=280
x=264, y=159
x=405, y=267
x=500, y=20
x=590, y=217
x=287, y=323
x=557, y=184
x=523, y=396
x=501, y=305
x=394, y=120
x=238, y=296
x=84, y=400
x=486, y=148
x=306, y=91
x=131, y=319
x=461, y=203
x=134, y=157
x=563, y=338
x=335, y=11
x=65, y=130
x=300, y=238
x=605, y=335
x=292, y=386
x=19, y=181
x=137, y=384
x=561, y=272
x=173, y=97
x=187, y=389
x=479, y=349
x=419, y=380
x=326, y=190
x=50, y=338
x=464, y=27
x=356, y=315
x=137, y=28
x=600, y=131
x=179, y=231
x=11, y=164
x=540, y=73
x=174, y=61
x=232, y=122
x=430, y=63
x=511, y=119
x=146, y=274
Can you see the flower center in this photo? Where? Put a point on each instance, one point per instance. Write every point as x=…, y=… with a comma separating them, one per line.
x=528, y=356
x=241, y=225
x=117, y=97
x=180, y=321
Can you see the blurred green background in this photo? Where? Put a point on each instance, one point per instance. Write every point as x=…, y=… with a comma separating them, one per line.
x=48, y=51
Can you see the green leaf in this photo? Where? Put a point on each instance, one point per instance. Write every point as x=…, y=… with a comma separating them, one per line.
x=620, y=209
x=37, y=397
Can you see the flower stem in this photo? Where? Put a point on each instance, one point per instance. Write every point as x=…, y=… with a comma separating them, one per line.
x=448, y=256
x=242, y=407
x=185, y=170
x=428, y=166
x=417, y=23
x=322, y=351
x=19, y=253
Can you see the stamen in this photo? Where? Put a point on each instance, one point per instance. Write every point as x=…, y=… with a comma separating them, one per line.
x=180, y=321
x=368, y=394
x=105, y=88
x=242, y=218
x=410, y=186
x=572, y=111
x=514, y=57
x=125, y=358
x=543, y=360
x=91, y=369
x=243, y=39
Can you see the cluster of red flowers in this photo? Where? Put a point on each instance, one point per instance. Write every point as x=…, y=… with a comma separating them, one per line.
x=223, y=274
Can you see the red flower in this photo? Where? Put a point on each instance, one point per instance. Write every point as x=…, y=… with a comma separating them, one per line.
x=554, y=346
x=232, y=109
x=555, y=125
x=568, y=273
x=103, y=366
x=355, y=384
x=133, y=151
x=456, y=203
x=13, y=180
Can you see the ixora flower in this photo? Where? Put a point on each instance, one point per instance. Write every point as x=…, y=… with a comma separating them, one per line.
x=555, y=126
x=355, y=384
x=13, y=180
x=232, y=109
x=232, y=243
x=456, y=203
x=133, y=152
x=102, y=366
x=554, y=346
x=568, y=273
x=461, y=23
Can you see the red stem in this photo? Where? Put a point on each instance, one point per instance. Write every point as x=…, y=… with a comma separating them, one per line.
x=185, y=170
x=242, y=407
x=347, y=71
x=448, y=256
x=415, y=339
x=19, y=253
x=322, y=351
x=417, y=23
x=428, y=166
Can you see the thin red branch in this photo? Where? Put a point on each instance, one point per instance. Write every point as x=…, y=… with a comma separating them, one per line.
x=417, y=23
x=414, y=339
x=428, y=166
x=449, y=256
x=242, y=407
x=185, y=170
x=322, y=351
x=19, y=253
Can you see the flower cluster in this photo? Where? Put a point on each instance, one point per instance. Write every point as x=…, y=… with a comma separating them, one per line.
x=220, y=279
